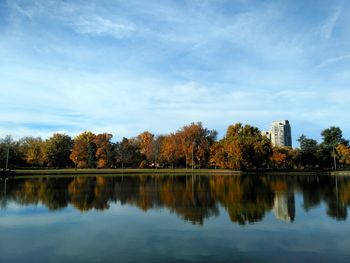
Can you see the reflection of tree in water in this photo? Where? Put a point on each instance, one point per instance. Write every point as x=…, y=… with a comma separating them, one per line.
x=87, y=193
x=189, y=198
x=186, y=196
x=3, y=192
x=193, y=198
x=245, y=198
x=50, y=192
x=331, y=190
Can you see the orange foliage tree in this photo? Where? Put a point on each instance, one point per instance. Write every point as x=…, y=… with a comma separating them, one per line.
x=284, y=157
x=83, y=152
x=103, y=149
x=196, y=140
x=145, y=141
x=170, y=149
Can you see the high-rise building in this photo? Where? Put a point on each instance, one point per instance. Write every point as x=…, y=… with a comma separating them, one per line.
x=267, y=134
x=281, y=134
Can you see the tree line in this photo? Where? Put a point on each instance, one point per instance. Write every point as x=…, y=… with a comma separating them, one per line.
x=243, y=147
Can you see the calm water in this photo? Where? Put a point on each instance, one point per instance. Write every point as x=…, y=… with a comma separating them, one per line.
x=175, y=219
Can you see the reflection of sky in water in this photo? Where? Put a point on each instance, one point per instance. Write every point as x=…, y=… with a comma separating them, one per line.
x=125, y=233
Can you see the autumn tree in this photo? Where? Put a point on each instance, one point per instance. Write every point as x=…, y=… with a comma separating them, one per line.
x=171, y=151
x=84, y=150
x=33, y=150
x=218, y=155
x=343, y=153
x=243, y=147
x=283, y=157
x=103, y=150
x=196, y=140
x=57, y=150
x=145, y=139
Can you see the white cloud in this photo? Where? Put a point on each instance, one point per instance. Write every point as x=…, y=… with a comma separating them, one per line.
x=94, y=24
x=328, y=27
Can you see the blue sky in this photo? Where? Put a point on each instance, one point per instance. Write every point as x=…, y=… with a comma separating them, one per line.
x=128, y=66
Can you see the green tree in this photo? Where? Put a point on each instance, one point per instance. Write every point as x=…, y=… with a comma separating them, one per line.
x=309, y=150
x=127, y=153
x=331, y=138
x=57, y=150
x=16, y=158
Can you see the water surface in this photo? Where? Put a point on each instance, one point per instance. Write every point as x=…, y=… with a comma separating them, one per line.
x=175, y=219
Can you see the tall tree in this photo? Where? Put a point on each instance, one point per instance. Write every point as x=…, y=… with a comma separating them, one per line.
x=84, y=150
x=146, y=141
x=343, y=153
x=10, y=148
x=171, y=149
x=33, y=150
x=127, y=153
x=331, y=138
x=218, y=155
x=196, y=142
x=57, y=150
x=309, y=152
x=243, y=147
x=104, y=149
x=156, y=157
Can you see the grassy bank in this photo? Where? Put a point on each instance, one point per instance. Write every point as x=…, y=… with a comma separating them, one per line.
x=340, y=173
x=124, y=171
x=151, y=172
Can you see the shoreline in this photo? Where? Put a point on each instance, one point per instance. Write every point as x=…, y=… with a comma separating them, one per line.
x=165, y=172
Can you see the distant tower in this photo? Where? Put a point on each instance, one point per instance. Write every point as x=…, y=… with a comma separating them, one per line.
x=281, y=134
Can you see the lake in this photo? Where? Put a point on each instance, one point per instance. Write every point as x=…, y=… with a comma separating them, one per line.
x=191, y=218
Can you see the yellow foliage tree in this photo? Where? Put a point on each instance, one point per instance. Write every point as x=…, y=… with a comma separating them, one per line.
x=343, y=152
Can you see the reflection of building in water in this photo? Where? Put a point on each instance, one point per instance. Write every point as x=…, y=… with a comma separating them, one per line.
x=284, y=206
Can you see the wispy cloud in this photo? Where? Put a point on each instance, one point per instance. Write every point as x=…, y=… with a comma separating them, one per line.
x=94, y=24
x=328, y=26
x=334, y=60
